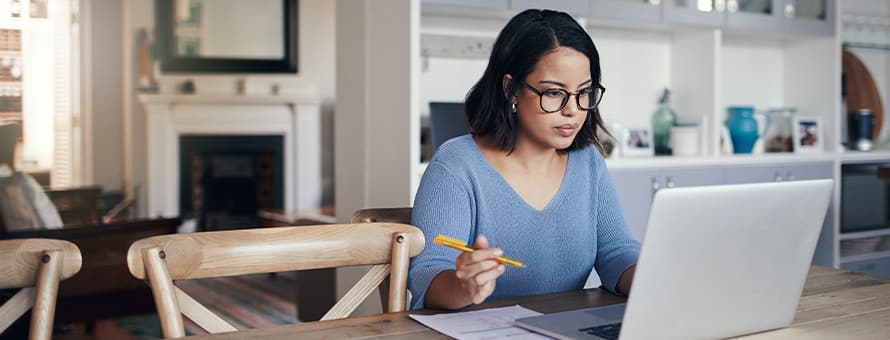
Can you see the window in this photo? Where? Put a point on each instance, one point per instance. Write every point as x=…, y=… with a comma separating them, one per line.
x=39, y=74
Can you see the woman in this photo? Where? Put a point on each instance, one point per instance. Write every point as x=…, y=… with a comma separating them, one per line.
x=526, y=178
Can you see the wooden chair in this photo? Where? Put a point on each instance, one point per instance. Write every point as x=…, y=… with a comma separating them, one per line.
x=391, y=215
x=103, y=288
x=386, y=215
x=162, y=259
x=36, y=266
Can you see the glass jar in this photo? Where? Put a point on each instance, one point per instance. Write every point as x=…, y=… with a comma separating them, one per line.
x=662, y=120
x=779, y=136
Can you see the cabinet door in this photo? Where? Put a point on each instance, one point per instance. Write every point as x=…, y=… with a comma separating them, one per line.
x=691, y=177
x=803, y=172
x=648, y=11
x=707, y=13
x=487, y=4
x=744, y=174
x=754, y=15
x=635, y=189
x=825, y=249
x=573, y=7
x=814, y=17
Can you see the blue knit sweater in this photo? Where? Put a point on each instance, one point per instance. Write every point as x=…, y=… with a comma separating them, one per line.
x=461, y=195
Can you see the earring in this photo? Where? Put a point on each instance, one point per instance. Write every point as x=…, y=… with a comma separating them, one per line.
x=513, y=108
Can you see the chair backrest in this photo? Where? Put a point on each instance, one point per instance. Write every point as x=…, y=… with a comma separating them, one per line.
x=388, y=215
x=162, y=259
x=36, y=266
x=391, y=215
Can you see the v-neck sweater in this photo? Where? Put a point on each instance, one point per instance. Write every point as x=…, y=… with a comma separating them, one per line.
x=461, y=195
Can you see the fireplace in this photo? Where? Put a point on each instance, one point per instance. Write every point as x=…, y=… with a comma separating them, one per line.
x=226, y=179
x=295, y=120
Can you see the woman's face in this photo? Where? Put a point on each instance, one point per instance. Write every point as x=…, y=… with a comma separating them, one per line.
x=567, y=69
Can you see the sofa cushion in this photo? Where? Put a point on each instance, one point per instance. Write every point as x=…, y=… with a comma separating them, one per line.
x=15, y=209
x=24, y=205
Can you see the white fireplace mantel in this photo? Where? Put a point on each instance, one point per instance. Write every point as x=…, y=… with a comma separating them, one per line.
x=297, y=118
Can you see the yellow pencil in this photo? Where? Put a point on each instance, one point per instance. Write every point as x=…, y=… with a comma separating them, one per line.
x=462, y=246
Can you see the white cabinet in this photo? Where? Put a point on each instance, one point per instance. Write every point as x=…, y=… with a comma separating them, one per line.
x=578, y=8
x=637, y=187
x=707, y=13
x=744, y=174
x=816, y=17
x=635, y=190
x=487, y=4
x=648, y=11
x=754, y=15
x=813, y=17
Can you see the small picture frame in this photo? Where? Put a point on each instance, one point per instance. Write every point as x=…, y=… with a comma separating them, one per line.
x=637, y=142
x=808, y=137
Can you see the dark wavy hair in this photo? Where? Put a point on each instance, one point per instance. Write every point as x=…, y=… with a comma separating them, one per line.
x=526, y=38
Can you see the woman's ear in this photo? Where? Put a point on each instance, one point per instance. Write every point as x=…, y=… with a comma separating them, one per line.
x=506, y=85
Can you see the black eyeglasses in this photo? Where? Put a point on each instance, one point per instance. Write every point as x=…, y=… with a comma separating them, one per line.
x=554, y=100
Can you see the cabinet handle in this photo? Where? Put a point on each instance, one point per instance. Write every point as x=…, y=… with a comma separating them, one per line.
x=789, y=176
x=670, y=182
x=778, y=177
x=655, y=185
x=732, y=6
x=789, y=10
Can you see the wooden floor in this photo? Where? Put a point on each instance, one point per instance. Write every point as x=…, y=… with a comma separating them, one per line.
x=105, y=329
x=250, y=301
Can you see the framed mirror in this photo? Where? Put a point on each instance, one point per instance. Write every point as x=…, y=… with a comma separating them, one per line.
x=227, y=36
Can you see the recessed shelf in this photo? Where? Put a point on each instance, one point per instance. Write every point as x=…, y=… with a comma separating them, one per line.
x=865, y=234
x=848, y=157
x=867, y=46
x=865, y=257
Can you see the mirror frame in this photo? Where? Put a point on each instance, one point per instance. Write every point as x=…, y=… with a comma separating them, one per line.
x=172, y=63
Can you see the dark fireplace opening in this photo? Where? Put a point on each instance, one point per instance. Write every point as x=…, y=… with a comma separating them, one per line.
x=225, y=180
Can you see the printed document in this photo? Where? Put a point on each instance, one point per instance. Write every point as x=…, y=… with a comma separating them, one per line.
x=492, y=323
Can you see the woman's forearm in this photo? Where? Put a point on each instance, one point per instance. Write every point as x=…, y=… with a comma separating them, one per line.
x=445, y=292
x=626, y=279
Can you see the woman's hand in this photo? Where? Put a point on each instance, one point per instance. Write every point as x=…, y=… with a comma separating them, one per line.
x=477, y=271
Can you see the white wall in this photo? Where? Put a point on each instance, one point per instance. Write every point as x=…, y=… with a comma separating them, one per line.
x=106, y=92
x=316, y=69
x=377, y=126
x=752, y=74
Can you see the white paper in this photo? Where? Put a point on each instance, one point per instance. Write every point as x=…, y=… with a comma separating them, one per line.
x=492, y=323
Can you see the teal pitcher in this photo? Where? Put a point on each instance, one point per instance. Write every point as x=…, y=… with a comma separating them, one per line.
x=744, y=129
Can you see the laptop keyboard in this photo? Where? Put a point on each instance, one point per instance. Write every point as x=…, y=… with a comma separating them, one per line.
x=609, y=331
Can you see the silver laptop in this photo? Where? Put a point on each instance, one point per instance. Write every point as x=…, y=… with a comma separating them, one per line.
x=717, y=262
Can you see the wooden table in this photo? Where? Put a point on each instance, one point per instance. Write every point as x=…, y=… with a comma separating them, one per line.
x=835, y=305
